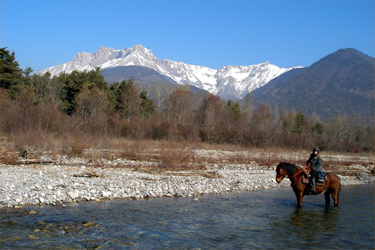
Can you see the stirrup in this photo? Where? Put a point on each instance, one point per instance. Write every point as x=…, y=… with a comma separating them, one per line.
x=313, y=186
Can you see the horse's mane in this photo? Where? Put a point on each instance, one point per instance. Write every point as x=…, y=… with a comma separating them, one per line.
x=289, y=167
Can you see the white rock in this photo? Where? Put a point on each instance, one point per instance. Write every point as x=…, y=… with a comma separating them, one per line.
x=73, y=195
x=106, y=193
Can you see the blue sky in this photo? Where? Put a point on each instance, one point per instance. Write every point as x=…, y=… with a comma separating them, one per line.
x=206, y=33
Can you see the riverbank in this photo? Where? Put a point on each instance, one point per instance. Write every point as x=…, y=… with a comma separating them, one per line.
x=74, y=179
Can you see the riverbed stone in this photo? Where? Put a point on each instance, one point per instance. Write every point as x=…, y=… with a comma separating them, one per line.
x=106, y=194
x=89, y=224
x=73, y=195
x=32, y=237
x=58, y=186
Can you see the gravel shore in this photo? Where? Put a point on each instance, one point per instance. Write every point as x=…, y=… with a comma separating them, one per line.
x=73, y=180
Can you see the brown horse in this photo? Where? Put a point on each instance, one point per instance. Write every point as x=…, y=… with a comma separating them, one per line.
x=330, y=187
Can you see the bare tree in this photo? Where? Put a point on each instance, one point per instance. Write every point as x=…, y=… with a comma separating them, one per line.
x=90, y=104
x=210, y=116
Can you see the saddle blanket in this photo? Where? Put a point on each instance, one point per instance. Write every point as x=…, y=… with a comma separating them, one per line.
x=322, y=177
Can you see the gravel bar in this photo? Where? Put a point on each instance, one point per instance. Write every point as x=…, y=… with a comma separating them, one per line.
x=79, y=181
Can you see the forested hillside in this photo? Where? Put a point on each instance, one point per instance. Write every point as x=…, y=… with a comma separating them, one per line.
x=82, y=110
x=341, y=83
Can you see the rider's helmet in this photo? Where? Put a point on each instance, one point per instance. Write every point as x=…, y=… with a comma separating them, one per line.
x=316, y=149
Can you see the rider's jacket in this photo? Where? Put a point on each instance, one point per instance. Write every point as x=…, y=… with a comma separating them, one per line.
x=316, y=162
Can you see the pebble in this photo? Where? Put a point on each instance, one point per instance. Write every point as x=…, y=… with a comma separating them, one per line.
x=56, y=184
x=32, y=237
x=72, y=195
x=88, y=224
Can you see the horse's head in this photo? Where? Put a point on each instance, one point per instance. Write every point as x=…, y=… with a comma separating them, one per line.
x=280, y=172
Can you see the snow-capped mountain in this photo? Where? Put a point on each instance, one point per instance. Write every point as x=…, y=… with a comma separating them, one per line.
x=230, y=82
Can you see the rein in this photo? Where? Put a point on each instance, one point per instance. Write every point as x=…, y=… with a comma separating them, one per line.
x=296, y=173
x=290, y=177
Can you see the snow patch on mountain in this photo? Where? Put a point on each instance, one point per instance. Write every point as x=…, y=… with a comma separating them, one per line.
x=230, y=82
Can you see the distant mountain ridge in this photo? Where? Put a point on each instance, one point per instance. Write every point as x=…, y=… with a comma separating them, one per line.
x=141, y=74
x=229, y=82
x=340, y=83
x=144, y=76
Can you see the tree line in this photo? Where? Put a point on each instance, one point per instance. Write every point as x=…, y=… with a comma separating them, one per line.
x=79, y=104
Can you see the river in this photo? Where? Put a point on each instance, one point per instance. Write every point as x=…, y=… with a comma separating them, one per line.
x=263, y=219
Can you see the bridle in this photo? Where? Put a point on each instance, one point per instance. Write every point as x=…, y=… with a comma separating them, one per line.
x=290, y=177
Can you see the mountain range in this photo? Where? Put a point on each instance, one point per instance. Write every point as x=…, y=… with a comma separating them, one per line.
x=228, y=82
x=341, y=83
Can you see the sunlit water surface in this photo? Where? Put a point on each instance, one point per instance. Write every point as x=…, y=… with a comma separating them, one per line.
x=263, y=219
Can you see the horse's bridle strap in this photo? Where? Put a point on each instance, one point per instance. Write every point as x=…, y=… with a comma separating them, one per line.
x=290, y=177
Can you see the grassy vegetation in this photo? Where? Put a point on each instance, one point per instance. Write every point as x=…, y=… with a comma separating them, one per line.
x=171, y=155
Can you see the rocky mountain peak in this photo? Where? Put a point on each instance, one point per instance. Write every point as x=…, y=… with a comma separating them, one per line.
x=82, y=58
x=229, y=82
x=139, y=47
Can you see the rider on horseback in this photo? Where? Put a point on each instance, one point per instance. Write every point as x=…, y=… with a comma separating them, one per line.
x=315, y=163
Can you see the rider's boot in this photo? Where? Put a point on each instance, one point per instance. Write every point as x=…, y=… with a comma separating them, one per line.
x=313, y=186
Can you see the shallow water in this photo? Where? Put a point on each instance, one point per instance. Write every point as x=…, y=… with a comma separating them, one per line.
x=263, y=219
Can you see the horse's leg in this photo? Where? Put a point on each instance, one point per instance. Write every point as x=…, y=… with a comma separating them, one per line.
x=335, y=196
x=327, y=197
x=299, y=197
x=334, y=188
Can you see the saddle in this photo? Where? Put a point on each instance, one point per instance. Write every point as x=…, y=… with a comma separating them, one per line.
x=320, y=179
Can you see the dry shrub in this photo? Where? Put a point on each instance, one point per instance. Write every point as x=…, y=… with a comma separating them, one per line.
x=212, y=175
x=169, y=155
x=132, y=150
x=343, y=170
x=162, y=167
x=33, y=137
x=241, y=156
x=128, y=149
x=79, y=142
x=7, y=152
x=158, y=130
x=10, y=158
x=246, y=155
x=335, y=162
x=183, y=169
x=173, y=153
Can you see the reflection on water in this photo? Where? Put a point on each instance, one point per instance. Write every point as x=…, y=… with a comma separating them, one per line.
x=311, y=222
x=260, y=219
x=306, y=228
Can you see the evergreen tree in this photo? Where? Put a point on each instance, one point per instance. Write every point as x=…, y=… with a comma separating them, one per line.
x=234, y=110
x=299, y=122
x=27, y=72
x=10, y=73
x=318, y=128
x=127, y=99
x=73, y=84
x=147, y=106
